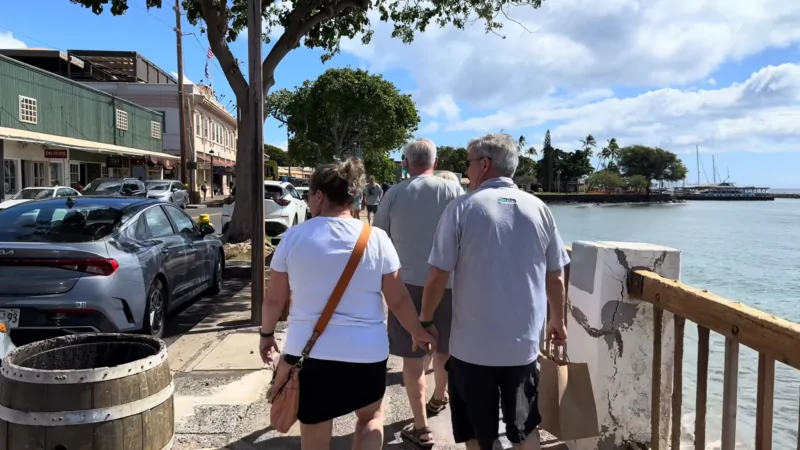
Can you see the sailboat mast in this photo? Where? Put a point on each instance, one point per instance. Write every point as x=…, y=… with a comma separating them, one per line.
x=697, y=152
x=714, y=169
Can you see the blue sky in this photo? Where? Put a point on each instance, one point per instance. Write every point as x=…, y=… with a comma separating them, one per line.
x=719, y=76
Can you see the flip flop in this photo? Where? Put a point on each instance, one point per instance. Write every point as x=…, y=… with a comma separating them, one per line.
x=414, y=435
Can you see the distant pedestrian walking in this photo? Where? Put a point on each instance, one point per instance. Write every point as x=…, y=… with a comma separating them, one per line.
x=409, y=213
x=502, y=249
x=344, y=363
x=204, y=190
x=372, y=194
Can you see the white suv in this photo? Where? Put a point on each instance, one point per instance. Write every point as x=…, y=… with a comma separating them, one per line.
x=283, y=208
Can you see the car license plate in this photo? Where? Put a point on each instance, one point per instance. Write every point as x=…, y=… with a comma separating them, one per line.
x=10, y=317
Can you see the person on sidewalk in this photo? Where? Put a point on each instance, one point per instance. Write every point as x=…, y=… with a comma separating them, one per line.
x=346, y=368
x=204, y=190
x=503, y=251
x=409, y=213
x=372, y=197
x=357, y=202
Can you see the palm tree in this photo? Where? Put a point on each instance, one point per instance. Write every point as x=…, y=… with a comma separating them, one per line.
x=613, y=150
x=531, y=152
x=588, y=142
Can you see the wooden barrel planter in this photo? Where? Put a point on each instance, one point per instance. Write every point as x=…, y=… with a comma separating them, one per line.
x=87, y=392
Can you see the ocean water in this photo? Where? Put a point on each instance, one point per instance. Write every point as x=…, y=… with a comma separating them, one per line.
x=744, y=251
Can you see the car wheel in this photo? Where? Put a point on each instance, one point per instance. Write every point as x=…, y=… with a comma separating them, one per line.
x=155, y=313
x=216, y=284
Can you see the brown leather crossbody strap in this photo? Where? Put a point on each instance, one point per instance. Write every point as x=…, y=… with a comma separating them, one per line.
x=341, y=286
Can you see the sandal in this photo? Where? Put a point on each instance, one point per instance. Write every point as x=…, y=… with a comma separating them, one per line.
x=436, y=406
x=415, y=436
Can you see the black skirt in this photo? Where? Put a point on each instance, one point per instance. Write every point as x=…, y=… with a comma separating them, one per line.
x=331, y=389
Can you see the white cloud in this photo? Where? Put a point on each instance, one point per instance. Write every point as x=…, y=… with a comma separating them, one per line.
x=283, y=145
x=186, y=79
x=7, y=40
x=430, y=127
x=576, y=51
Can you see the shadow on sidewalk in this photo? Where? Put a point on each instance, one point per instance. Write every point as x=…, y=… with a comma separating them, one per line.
x=337, y=442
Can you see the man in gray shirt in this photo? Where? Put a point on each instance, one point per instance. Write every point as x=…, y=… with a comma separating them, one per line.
x=372, y=194
x=502, y=248
x=409, y=213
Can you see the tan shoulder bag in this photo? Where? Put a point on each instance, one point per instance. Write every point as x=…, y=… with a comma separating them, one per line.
x=284, y=394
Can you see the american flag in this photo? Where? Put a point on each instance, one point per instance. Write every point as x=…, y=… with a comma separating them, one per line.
x=210, y=54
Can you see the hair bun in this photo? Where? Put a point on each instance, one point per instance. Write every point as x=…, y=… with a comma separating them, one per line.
x=353, y=172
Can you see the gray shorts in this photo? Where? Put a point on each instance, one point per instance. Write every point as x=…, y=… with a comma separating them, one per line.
x=400, y=339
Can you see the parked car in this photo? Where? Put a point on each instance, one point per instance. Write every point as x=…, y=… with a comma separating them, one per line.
x=168, y=191
x=108, y=264
x=36, y=193
x=283, y=208
x=303, y=190
x=116, y=187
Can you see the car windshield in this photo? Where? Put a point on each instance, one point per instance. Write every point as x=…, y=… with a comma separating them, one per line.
x=157, y=186
x=58, y=221
x=102, y=187
x=33, y=194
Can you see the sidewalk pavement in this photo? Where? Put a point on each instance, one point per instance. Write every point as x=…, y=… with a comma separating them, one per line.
x=221, y=384
x=215, y=202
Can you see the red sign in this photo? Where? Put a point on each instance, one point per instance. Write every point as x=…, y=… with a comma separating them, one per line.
x=51, y=153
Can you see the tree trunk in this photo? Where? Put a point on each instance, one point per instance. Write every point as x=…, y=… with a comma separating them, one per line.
x=239, y=228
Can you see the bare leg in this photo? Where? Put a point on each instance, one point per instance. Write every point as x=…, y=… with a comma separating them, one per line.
x=416, y=387
x=440, y=375
x=317, y=436
x=369, y=427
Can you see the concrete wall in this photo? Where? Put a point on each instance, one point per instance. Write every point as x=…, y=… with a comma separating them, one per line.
x=614, y=335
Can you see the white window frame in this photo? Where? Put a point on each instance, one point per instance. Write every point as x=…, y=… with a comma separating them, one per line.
x=122, y=120
x=74, y=174
x=16, y=177
x=198, y=127
x=103, y=171
x=28, y=110
x=155, y=130
x=205, y=127
x=60, y=165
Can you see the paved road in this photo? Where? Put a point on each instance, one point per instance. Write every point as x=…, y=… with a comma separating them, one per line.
x=215, y=214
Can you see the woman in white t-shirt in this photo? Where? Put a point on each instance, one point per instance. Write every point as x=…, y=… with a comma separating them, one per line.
x=346, y=370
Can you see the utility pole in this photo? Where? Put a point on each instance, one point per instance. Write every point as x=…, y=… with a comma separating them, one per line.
x=182, y=110
x=257, y=152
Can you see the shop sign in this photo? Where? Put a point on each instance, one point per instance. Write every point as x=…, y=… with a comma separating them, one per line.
x=114, y=162
x=52, y=153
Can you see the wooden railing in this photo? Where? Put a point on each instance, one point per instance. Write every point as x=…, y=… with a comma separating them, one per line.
x=774, y=339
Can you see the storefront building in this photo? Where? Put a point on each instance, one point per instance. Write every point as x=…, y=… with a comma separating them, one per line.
x=61, y=132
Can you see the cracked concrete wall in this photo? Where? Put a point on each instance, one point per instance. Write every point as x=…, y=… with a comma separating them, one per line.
x=614, y=335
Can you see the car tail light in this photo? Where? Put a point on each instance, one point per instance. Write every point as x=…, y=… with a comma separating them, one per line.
x=91, y=266
x=282, y=201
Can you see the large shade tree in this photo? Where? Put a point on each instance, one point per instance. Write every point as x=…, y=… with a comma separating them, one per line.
x=319, y=24
x=652, y=163
x=346, y=112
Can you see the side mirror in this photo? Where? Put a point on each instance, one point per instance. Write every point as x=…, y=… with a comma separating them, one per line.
x=206, y=229
x=174, y=189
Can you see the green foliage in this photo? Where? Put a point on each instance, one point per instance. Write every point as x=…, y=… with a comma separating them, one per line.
x=607, y=180
x=452, y=159
x=562, y=166
x=278, y=155
x=380, y=165
x=307, y=154
x=652, y=163
x=610, y=153
x=345, y=111
x=547, y=164
x=638, y=183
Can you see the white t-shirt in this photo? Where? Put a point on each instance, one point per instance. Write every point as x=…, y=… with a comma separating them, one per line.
x=314, y=255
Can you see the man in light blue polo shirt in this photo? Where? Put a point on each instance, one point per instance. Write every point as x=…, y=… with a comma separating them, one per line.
x=502, y=248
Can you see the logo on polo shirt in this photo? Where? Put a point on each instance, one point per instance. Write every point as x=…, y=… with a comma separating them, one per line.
x=506, y=201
